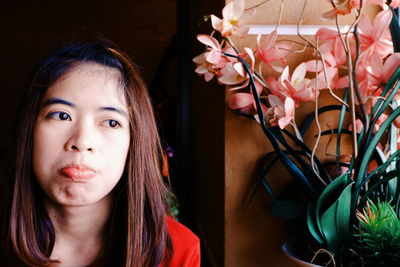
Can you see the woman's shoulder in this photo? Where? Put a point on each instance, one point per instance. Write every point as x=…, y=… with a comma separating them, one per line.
x=185, y=245
x=179, y=232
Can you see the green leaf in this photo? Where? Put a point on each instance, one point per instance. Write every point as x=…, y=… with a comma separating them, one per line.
x=395, y=31
x=340, y=128
x=333, y=212
x=387, y=177
x=372, y=145
x=311, y=223
x=391, y=84
x=392, y=184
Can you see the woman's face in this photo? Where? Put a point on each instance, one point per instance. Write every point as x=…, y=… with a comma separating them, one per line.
x=81, y=136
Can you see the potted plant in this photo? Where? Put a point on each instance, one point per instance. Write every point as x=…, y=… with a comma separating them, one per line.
x=350, y=206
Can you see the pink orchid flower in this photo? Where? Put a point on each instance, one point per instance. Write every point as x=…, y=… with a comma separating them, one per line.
x=270, y=52
x=214, y=51
x=234, y=73
x=344, y=7
x=373, y=73
x=230, y=24
x=378, y=72
x=297, y=87
x=275, y=86
x=340, y=7
x=332, y=69
x=212, y=60
x=281, y=114
x=359, y=126
x=334, y=56
x=376, y=36
x=320, y=81
x=244, y=102
x=332, y=50
x=382, y=118
x=205, y=68
x=395, y=4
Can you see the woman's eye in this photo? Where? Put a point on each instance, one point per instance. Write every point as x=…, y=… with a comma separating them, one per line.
x=62, y=116
x=111, y=123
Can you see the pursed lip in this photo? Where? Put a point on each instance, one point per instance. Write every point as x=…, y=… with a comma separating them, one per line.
x=77, y=172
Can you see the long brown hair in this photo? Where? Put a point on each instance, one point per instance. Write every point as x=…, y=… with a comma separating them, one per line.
x=137, y=234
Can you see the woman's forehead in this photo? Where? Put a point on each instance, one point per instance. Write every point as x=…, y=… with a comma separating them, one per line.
x=91, y=69
x=88, y=83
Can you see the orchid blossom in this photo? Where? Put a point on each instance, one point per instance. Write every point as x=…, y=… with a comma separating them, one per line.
x=344, y=7
x=373, y=73
x=297, y=86
x=234, y=73
x=376, y=36
x=280, y=113
x=237, y=75
x=332, y=50
x=231, y=22
x=214, y=50
x=395, y=4
x=379, y=72
x=244, y=102
x=340, y=7
x=212, y=61
x=270, y=52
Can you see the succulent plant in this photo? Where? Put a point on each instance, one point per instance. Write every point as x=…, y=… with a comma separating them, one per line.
x=378, y=235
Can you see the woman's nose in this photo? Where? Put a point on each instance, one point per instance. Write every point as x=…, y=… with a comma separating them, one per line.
x=81, y=140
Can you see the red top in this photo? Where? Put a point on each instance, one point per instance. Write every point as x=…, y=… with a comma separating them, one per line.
x=185, y=244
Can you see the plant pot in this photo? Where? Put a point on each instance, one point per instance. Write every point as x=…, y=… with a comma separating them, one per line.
x=299, y=252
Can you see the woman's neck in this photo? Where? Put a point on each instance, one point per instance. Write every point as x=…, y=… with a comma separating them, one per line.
x=79, y=231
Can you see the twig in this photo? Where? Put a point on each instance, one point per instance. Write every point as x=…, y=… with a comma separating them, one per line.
x=346, y=47
x=318, y=126
x=280, y=15
x=320, y=54
x=232, y=44
x=356, y=87
x=257, y=5
x=291, y=50
x=321, y=250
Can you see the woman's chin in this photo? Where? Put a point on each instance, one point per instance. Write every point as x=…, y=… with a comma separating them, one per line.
x=75, y=195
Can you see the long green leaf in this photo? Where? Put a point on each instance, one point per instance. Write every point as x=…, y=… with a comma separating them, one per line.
x=322, y=171
x=392, y=185
x=340, y=128
x=381, y=169
x=395, y=31
x=333, y=219
x=390, y=85
x=389, y=176
x=371, y=147
x=312, y=225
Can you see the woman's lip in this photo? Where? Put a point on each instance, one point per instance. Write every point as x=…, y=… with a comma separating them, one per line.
x=77, y=172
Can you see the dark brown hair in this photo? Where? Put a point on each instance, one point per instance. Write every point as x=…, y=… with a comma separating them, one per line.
x=137, y=234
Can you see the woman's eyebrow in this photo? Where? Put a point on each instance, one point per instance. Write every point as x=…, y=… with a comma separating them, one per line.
x=114, y=109
x=54, y=101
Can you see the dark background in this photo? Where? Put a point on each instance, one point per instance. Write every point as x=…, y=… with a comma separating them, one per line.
x=31, y=29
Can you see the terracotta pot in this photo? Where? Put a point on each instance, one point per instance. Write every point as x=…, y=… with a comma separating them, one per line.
x=299, y=253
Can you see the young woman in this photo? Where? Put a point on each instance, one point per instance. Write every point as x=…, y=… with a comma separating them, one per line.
x=84, y=186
